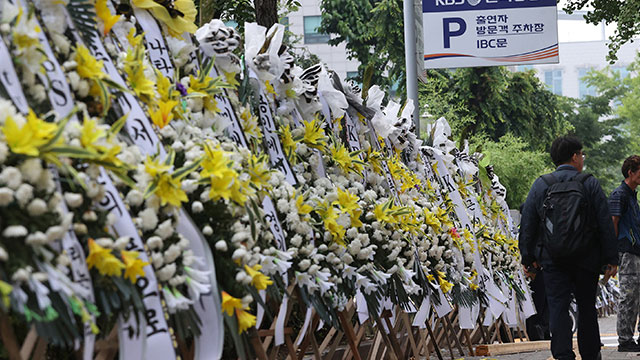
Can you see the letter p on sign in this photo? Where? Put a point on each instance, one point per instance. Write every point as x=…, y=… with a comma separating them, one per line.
x=449, y=32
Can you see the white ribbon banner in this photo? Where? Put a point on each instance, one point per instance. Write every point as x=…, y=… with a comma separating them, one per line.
x=10, y=80
x=156, y=46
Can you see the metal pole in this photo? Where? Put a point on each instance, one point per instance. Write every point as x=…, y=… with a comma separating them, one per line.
x=410, y=59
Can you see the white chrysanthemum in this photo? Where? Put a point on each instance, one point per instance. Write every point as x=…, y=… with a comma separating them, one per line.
x=155, y=243
x=166, y=272
x=15, y=231
x=24, y=194
x=73, y=200
x=149, y=219
x=31, y=170
x=80, y=229
x=221, y=245
x=172, y=253
x=3, y=254
x=134, y=198
x=37, y=207
x=37, y=238
x=157, y=260
x=122, y=242
x=165, y=229
x=6, y=196
x=207, y=230
x=90, y=216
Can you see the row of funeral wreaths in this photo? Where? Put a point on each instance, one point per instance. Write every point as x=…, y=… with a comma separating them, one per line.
x=150, y=177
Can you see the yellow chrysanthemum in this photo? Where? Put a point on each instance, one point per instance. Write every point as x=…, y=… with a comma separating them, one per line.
x=303, y=208
x=259, y=280
x=134, y=266
x=258, y=169
x=230, y=303
x=205, y=86
x=347, y=201
x=103, y=260
x=5, y=291
x=170, y=191
x=382, y=212
x=288, y=143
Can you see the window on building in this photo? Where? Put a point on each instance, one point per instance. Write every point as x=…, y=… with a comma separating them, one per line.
x=622, y=70
x=524, y=67
x=585, y=89
x=553, y=79
x=352, y=75
x=311, y=33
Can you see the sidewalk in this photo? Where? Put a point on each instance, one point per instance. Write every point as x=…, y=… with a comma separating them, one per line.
x=607, y=335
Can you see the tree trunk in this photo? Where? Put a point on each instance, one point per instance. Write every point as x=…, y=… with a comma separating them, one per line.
x=266, y=12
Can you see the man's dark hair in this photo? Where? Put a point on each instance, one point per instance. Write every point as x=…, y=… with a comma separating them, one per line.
x=563, y=148
x=632, y=163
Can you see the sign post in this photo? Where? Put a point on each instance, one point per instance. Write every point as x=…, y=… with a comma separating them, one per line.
x=467, y=33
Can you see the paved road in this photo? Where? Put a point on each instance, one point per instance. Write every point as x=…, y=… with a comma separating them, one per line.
x=607, y=335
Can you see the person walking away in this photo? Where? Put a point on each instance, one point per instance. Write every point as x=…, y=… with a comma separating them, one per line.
x=567, y=233
x=625, y=214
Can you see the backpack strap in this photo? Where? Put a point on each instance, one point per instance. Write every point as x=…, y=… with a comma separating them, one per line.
x=549, y=179
x=582, y=177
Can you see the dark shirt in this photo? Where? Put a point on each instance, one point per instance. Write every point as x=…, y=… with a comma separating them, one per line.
x=623, y=202
x=604, y=250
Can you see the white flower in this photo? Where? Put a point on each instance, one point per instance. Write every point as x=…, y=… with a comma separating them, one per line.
x=197, y=207
x=149, y=219
x=80, y=229
x=105, y=242
x=24, y=194
x=37, y=238
x=157, y=259
x=207, y=230
x=90, y=216
x=6, y=196
x=304, y=264
x=122, y=242
x=154, y=243
x=221, y=245
x=198, y=275
x=3, y=254
x=21, y=275
x=4, y=151
x=134, y=198
x=172, y=253
x=11, y=177
x=197, y=289
x=177, y=280
x=72, y=199
x=15, y=231
x=165, y=229
x=166, y=272
x=37, y=207
x=31, y=170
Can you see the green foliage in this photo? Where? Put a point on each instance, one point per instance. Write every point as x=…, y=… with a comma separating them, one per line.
x=372, y=31
x=516, y=165
x=494, y=102
x=624, y=13
x=240, y=11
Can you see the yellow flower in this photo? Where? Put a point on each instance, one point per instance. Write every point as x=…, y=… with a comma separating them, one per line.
x=230, y=303
x=250, y=125
x=5, y=291
x=374, y=159
x=259, y=280
x=313, y=134
x=259, y=171
x=341, y=156
x=303, y=209
x=110, y=266
x=30, y=137
x=103, y=260
x=163, y=114
x=134, y=266
x=288, y=143
x=220, y=187
x=473, y=286
x=431, y=219
x=104, y=14
x=154, y=167
x=355, y=218
x=170, y=191
x=88, y=66
x=269, y=87
x=245, y=320
x=133, y=39
x=179, y=15
x=163, y=86
x=347, y=201
x=240, y=191
x=138, y=80
x=215, y=162
x=383, y=214
x=445, y=286
x=206, y=86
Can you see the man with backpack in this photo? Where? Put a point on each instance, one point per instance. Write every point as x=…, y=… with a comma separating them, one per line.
x=625, y=214
x=567, y=232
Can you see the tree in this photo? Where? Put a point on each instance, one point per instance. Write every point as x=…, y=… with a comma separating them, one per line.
x=373, y=33
x=516, y=166
x=626, y=13
x=493, y=102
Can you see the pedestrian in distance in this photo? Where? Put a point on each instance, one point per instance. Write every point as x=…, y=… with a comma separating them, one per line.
x=625, y=214
x=567, y=233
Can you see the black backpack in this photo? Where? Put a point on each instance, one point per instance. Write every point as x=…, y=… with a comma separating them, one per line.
x=566, y=224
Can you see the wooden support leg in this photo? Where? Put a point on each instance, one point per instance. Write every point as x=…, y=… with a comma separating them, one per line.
x=351, y=336
x=8, y=338
x=434, y=341
x=456, y=339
